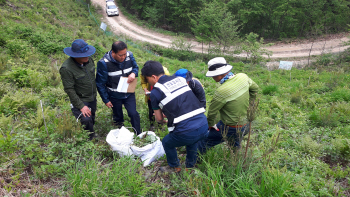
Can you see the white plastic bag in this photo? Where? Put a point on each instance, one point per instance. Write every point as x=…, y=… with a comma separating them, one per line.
x=120, y=141
x=150, y=152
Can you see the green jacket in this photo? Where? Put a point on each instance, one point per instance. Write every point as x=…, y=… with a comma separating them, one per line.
x=231, y=100
x=79, y=81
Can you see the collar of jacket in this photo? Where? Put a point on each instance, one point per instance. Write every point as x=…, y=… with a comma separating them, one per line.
x=79, y=65
x=111, y=59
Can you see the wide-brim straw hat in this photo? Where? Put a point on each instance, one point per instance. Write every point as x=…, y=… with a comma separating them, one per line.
x=218, y=66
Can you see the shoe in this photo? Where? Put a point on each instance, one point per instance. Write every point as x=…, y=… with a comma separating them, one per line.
x=118, y=124
x=170, y=169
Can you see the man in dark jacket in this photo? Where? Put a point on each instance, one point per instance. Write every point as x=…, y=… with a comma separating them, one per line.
x=78, y=78
x=186, y=122
x=194, y=84
x=117, y=63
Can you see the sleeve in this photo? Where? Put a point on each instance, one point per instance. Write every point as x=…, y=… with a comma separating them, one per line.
x=68, y=85
x=155, y=99
x=214, y=109
x=198, y=90
x=135, y=67
x=166, y=71
x=144, y=83
x=101, y=80
x=253, y=90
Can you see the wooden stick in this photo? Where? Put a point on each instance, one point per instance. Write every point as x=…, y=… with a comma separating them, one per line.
x=42, y=109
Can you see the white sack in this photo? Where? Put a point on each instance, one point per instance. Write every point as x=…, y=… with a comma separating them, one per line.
x=150, y=152
x=120, y=141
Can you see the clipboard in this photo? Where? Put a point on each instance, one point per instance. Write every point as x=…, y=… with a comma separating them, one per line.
x=125, y=87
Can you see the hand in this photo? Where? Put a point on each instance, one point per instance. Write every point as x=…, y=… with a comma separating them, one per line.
x=146, y=91
x=214, y=127
x=109, y=104
x=164, y=116
x=131, y=77
x=86, y=111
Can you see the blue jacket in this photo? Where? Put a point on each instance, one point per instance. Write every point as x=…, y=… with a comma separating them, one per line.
x=102, y=75
x=198, y=90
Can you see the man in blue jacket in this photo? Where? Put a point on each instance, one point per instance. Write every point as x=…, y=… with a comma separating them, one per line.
x=116, y=63
x=194, y=84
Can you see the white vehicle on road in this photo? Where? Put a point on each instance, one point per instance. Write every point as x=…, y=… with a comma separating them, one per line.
x=111, y=9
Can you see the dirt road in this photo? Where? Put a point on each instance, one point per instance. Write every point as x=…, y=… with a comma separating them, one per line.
x=122, y=26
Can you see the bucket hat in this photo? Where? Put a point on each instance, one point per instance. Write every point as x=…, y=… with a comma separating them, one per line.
x=218, y=66
x=79, y=49
x=184, y=73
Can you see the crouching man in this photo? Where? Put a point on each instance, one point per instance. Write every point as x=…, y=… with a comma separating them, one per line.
x=187, y=123
x=231, y=101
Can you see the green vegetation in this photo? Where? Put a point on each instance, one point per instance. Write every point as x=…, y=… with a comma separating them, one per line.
x=269, y=19
x=299, y=144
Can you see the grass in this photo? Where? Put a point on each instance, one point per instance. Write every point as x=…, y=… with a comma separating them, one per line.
x=308, y=111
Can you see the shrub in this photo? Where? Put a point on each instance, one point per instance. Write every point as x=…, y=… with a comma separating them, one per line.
x=295, y=98
x=340, y=95
x=341, y=147
x=270, y=90
x=328, y=118
x=309, y=146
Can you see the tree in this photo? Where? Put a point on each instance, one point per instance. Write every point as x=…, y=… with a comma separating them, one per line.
x=253, y=48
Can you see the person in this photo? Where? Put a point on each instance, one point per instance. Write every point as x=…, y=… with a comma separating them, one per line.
x=194, y=84
x=78, y=78
x=231, y=101
x=147, y=88
x=116, y=63
x=186, y=121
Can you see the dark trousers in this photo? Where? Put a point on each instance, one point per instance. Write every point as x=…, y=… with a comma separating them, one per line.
x=87, y=122
x=150, y=112
x=216, y=137
x=130, y=106
x=188, y=139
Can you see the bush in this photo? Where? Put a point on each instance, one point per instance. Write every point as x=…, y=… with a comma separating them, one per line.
x=309, y=146
x=328, y=118
x=270, y=90
x=340, y=95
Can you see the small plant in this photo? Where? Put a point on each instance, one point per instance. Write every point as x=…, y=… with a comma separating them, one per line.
x=144, y=140
x=270, y=90
x=324, y=119
x=295, y=98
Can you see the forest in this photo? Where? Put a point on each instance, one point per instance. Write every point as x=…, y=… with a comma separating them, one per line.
x=271, y=19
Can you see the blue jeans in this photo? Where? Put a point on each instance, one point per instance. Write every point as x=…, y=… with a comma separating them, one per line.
x=216, y=137
x=130, y=106
x=188, y=139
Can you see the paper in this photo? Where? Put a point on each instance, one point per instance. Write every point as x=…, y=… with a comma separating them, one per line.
x=286, y=65
x=125, y=87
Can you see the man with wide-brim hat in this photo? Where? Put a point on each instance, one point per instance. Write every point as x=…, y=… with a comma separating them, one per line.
x=78, y=78
x=231, y=101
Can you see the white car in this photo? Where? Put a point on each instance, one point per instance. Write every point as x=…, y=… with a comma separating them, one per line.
x=111, y=9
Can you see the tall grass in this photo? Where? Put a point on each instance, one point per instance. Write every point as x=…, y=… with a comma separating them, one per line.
x=117, y=178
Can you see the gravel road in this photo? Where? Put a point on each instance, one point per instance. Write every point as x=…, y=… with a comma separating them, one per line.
x=300, y=50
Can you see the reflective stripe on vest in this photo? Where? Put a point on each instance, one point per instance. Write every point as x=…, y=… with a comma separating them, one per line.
x=170, y=96
x=189, y=115
x=170, y=129
x=116, y=73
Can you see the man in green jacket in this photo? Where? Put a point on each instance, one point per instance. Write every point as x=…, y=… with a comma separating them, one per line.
x=230, y=101
x=78, y=78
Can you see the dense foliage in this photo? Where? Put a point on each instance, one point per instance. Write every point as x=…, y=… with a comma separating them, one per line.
x=267, y=18
x=300, y=143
